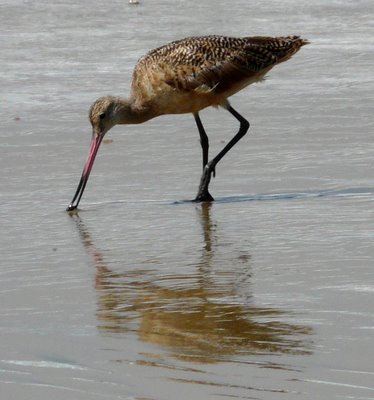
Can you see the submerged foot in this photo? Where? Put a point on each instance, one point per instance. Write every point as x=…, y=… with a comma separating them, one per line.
x=203, y=197
x=203, y=192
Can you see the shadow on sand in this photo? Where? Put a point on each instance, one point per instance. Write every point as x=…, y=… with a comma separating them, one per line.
x=348, y=192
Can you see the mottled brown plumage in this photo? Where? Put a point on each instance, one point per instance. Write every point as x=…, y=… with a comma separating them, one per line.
x=186, y=76
x=193, y=73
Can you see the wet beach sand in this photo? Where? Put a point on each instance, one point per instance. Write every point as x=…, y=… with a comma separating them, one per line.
x=267, y=293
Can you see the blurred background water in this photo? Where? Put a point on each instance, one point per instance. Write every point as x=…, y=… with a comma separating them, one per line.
x=267, y=293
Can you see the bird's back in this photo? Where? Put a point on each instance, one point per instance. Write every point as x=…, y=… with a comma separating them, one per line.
x=197, y=72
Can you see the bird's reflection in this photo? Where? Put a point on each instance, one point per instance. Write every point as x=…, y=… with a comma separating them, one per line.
x=206, y=320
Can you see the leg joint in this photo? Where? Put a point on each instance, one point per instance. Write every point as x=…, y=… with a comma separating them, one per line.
x=244, y=126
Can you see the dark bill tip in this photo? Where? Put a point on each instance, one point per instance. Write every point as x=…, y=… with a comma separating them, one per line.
x=94, y=147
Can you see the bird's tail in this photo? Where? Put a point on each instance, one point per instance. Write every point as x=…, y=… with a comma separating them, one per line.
x=290, y=45
x=283, y=47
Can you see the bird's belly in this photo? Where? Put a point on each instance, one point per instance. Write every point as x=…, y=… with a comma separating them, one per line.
x=181, y=102
x=166, y=99
x=174, y=101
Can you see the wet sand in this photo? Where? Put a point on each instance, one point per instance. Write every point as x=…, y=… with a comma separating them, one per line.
x=267, y=293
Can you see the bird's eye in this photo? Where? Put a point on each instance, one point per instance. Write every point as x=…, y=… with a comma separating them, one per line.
x=102, y=115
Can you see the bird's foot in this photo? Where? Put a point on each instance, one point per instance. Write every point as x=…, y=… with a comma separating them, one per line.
x=203, y=192
x=203, y=197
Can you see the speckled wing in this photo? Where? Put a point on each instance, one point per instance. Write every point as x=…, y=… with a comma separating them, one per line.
x=216, y=63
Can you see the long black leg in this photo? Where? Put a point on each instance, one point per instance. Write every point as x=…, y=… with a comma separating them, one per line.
x=203, y=193
x=204, y=141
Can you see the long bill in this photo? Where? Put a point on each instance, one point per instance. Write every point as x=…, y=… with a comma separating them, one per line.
x=94, y=147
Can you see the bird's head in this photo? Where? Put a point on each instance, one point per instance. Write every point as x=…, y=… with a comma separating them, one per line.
x=102, y=115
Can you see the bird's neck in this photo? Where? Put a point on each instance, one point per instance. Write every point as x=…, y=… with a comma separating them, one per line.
x=128, y=112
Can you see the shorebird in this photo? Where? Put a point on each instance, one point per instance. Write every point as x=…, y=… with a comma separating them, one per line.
x=186, y=76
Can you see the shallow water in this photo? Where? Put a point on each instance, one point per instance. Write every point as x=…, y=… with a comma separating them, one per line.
x=266, y=293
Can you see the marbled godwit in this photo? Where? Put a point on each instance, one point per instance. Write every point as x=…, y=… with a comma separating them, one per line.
x=187, y=76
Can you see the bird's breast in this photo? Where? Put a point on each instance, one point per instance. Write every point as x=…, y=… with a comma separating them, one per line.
x=164, y=98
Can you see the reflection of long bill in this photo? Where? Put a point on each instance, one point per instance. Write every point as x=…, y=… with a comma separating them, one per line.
x=94, y=147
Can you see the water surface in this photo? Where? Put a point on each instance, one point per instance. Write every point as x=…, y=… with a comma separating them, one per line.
x=142, y=294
